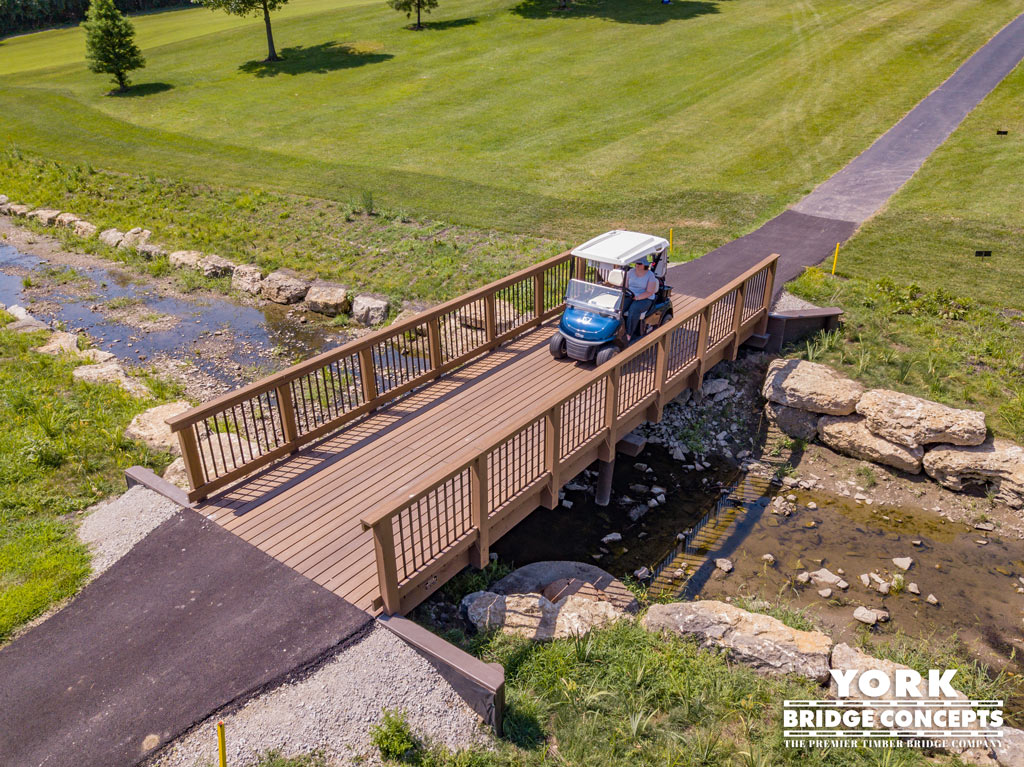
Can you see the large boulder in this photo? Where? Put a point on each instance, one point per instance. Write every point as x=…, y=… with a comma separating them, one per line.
x=247, y=278
x=283, y=287
x=150, y=426
x=226, y=445
x=997, y=463
x=16, y=209
x=760, y=641
x=66, y=220
x=215, y=266
x=185, y=259
x=913, y=421
x=111, y=237
x=84, y=229
x=850, y=435
x=61, y=342
x=536, y=617
x=369, y=310
x=111, y=372
x=558, y=579
x=134, y=237
x=798, y=424
x=328, y=298
x=810, y=386
x=45, y=216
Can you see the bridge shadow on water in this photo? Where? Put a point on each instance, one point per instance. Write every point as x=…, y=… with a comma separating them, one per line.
x=314, y=59
x=623, y=11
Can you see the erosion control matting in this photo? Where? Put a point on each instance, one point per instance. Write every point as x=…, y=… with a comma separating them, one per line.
x=189, y=620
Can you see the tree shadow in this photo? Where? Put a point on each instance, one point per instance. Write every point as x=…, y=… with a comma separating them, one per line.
x=624, y=11
x=449, y=24
x=143, y=89
x=314, y=59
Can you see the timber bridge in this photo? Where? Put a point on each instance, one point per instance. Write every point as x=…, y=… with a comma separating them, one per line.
x=383, y=467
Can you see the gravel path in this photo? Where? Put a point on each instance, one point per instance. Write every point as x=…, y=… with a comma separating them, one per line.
x=334, y=708
x=111, y=528
x=787, y=302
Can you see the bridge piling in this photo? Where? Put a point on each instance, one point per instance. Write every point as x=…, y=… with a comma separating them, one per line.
x=605, y=471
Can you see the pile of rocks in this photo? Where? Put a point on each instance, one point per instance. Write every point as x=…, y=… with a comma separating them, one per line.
x=807, y=400
x=282, y=286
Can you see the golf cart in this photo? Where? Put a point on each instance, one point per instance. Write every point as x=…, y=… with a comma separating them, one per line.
x=593, y=326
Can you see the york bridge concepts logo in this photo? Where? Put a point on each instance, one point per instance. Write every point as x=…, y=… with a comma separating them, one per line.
x=878, y=709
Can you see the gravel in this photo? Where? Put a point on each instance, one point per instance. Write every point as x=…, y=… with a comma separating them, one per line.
x=112, y=527
x=333, y=709
x=787, y=302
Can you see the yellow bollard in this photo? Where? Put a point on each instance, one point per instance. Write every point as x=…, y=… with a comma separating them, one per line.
x=221, y=747
x=670, y=241
x=834, y=259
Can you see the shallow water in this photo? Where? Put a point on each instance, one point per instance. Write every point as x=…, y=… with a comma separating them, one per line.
x=261, y=339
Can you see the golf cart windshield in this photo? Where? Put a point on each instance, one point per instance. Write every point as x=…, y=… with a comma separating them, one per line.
x=593, y=298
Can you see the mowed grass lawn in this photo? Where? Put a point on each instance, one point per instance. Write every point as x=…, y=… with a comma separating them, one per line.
x=959, y=335
x=708, y=116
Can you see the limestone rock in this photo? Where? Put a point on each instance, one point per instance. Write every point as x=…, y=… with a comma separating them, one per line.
x=149, y=426
x=283, y=287
x=540, y=577
x=111, y=237
x=111, y=372
x=328, y=298
x=865, y=615
x=798, y=424
x=84, y=229
x=215, y=266
x=577, y=614
x=29, y=325
x=67, y=343
x=912, y=421
x=760, y=641
x=66, y=220
x=185, y=259
x=810, y=386
x=4, y=199
x=825, y=577
x=903, y=563
x=536, y=617
x=15, y=209
x=150, y=251
x=998, y=463
x=45, y=216
x=369, y=310
x=246, y=279
x=134, y=237
x=850, y=436
x=723, y=564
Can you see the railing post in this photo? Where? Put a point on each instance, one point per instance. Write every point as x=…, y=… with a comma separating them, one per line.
x=490, y=317
x=769, y=290
x=580, y=268
x=387, y=569
x=190, y=455
x=367, y=374
x=611, y=414
x=697, y=377
x=480, y=511
x=660, y=379
x=286, y=408
x=737, y=319
x=434, y=342
x=538, y=295
x=552, y=454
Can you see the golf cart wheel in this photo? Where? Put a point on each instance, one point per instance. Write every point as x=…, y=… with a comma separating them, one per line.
x=605, y=353
x=665, y=318
x=557, y=346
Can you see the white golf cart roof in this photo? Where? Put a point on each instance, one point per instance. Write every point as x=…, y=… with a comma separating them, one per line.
x=620, y=248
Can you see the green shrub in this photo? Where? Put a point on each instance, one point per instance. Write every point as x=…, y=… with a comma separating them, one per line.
x=394, y=739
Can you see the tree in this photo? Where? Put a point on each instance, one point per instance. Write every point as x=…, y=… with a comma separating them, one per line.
x=110, y=43
x=245, y=8
x=408, y=6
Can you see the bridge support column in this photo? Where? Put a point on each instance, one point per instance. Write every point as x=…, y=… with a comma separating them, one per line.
x=605, y=470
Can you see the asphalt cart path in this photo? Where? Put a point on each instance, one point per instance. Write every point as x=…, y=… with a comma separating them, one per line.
x=807, y=233
x=190, y=620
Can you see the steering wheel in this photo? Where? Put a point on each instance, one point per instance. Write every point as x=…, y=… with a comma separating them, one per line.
x=628, y=293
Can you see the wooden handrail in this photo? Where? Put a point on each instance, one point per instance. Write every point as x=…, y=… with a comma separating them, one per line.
x=401, y=497
x=300, y=369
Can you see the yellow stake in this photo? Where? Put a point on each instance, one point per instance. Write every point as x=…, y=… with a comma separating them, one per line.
x=834, y=259
x=669, y=240
x=221, y=747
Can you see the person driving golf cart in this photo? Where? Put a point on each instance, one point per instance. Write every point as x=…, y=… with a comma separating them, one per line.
x=624, y=296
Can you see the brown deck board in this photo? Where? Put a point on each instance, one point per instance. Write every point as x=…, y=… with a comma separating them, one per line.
x=305, y=510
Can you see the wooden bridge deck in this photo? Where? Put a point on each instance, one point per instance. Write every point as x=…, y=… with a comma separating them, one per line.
x=306, y=510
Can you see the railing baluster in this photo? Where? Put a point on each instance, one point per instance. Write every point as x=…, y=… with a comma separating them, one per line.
x=479, y=491
x=538, y=295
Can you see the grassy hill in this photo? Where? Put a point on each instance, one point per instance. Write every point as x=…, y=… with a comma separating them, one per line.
x=707, y=116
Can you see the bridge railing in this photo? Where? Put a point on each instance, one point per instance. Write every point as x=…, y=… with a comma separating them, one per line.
x=233, y=435
x=428, y=530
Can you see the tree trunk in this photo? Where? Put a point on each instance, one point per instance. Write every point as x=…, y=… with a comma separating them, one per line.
x=271, y=52
x=122, y=81
x=418, y=24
